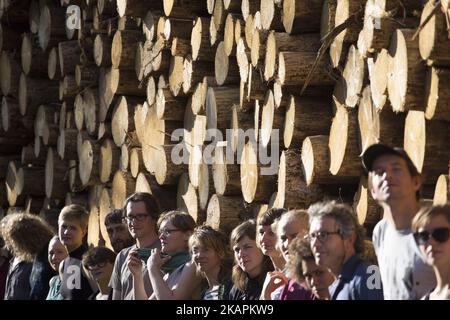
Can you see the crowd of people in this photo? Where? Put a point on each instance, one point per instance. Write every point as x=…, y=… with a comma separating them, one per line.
x=319, y=253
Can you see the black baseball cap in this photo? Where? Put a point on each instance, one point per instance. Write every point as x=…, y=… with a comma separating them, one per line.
x=378, y=149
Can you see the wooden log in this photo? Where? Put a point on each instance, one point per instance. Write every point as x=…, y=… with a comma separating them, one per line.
x=109, y=160
x=68, y=88
x=366, y=208
x=343, y=145
x=378, y=125
x=93, y=235
x=379, y=78
x=9, y=79
x=258, y=47
x=442, y=190
x=13, y=124
x=249, y=7
x=378, y=27
x=194, y=72
x=53, y=64
x=124, y=82
x=89, y=163
x=28, y=158
x=31, y=181
x=102, y=50
x=136, y=8
x=226, y=68
x=187, y=199
x=104, y=207
x=33, y=205
x=194, y=132
x=77, y=198
x=79, y=112
x=91, y=109
x=223, y=212
x=293, y=69
x=86, y=75
x=219, y=101
x=56, y=176
x=280, y=41
x=316, y=162
x=427, y=142
x=200, y=40
x=437, y=94
x=226, y=175
x=123, y=185
x=243, y=124
x=255, y=186
x=219, y=16
x=169, y=107
x=353, y=76
x=176, y=75
x=406, y=72
x=301, y=16
x=292, y=187
x=167, y=172
x=434, y=43
x=11, y=183
x=34, y=91
x=344, y=10
x=270, y=119
x=228, y=37
x=136, y=162
x=140, y=113
x=327, y=17
x=34, y=60
x=184, y=8
x=123, y=48
x=122, y=124
x=74, y=177
x=149, y=24
x=67, y=144
x=242, y=59
x=165, y=194
x=270, y=16
x=34, y=16
x=305, y=116
x=51, y=28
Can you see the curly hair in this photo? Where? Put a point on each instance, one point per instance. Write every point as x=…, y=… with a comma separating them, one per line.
x=26, y=235
x=299, y=250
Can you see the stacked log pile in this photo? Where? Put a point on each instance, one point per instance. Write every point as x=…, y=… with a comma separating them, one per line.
x=220, y=108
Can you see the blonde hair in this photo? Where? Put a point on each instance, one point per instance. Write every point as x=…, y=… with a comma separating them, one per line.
x=75, y=212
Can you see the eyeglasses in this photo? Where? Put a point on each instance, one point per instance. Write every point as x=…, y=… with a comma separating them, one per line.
x=137, y=217
x=98, y=265
x=167, y=232
x=441, y=235
x=322, y=236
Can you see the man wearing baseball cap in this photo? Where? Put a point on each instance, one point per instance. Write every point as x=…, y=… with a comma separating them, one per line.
x=394, y=182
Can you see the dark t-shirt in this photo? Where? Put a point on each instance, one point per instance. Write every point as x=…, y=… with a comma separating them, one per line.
x=252, y=291
x=40, y=276
x=74, y=284
x=18, y=281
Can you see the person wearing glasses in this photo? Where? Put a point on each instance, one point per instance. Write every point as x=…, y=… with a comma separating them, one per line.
x=141, y=215
x=337, y=241
x=251, y=265
x=72, y=229
x=99, y=261
x=394, y=183
x=171, y=272
x=431, y=227
x=118, y=233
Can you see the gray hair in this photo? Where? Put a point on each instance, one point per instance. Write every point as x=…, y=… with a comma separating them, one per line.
x=345, y=219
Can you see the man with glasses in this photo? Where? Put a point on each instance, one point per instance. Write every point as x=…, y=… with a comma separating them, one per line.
x=337, y=241
x=394, y=183
x=141, y=214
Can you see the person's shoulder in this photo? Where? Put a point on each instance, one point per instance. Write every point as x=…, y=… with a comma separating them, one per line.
x=124, y=252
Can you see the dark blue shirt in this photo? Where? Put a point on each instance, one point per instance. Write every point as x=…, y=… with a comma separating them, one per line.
x=358, y=281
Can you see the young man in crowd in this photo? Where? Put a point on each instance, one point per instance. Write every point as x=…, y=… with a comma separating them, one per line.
x=118, y=233
x=394, y=183
x=141, y=215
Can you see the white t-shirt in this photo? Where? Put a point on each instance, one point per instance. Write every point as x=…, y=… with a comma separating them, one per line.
x=404, y=273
